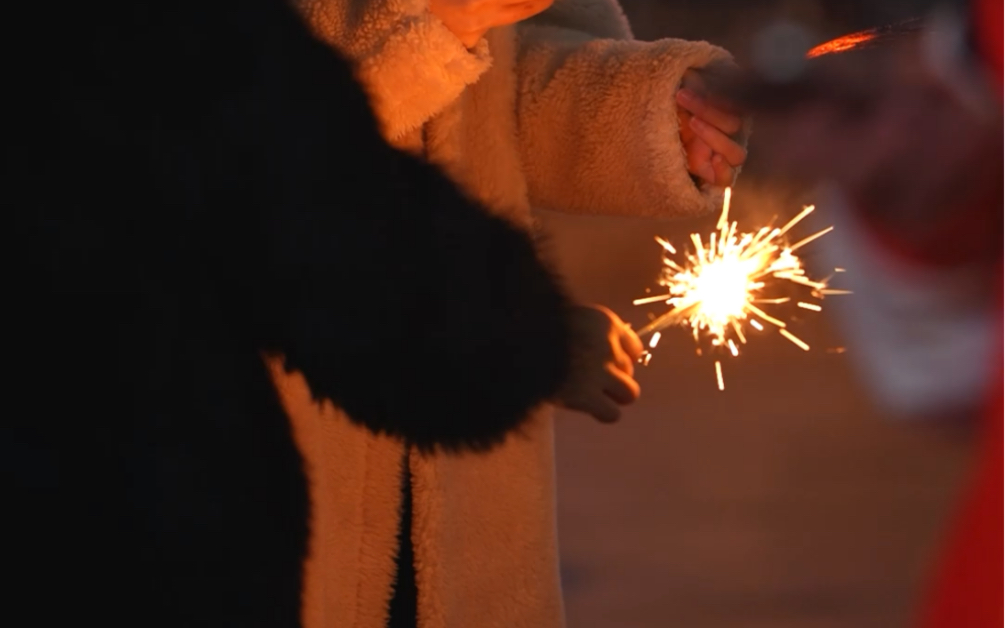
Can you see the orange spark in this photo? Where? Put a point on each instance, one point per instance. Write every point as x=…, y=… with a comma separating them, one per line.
x=841, y=44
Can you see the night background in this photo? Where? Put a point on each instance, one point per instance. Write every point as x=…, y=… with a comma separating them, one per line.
x=242, y=387
x=789, y=499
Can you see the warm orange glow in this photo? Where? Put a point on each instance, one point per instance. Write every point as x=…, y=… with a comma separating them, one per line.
x=718, y=287
x=841, y=44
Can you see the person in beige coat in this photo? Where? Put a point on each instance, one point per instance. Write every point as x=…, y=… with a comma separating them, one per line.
x=562, y=111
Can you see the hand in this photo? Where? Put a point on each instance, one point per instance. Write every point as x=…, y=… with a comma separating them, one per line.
x=469, y=20
x=707, y=134
x=604, y=354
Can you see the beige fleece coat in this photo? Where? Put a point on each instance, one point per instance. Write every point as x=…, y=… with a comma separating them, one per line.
x=566, y=112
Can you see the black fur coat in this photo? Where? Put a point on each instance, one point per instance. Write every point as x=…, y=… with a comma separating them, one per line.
x=192, y=186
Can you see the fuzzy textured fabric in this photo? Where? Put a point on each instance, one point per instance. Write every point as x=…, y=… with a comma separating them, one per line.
x=566, y=112
x=194, y=185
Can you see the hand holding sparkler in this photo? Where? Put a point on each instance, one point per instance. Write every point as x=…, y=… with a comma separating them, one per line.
x=605, y=350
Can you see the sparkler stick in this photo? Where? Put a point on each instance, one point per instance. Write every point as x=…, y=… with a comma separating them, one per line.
x=718, y=287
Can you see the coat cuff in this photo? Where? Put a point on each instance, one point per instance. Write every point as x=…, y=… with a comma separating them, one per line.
x=598, y=124
x=660, y=129
x=417, y=71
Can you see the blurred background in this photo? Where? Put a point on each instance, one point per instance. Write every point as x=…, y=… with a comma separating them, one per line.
x=789, y=499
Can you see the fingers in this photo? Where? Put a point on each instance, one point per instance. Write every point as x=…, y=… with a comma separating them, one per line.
x=706, y=165
x=601, y=380
x=699, y=159
x=602, y=409
x=626, y=350
x=600, y=393
x=616, y=389
x=625, y=346
x=725, y=122
x=620, y=386
x=621, y=361
x=693, y=81
x=719, y=142
x=631, y=344
x=723, y=172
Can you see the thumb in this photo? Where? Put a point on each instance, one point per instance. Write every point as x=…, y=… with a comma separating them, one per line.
x=631, y=343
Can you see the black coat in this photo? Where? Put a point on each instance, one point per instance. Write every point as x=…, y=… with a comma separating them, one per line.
x=194, y=185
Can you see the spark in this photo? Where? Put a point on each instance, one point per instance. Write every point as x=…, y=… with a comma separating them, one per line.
x=666, y=245
x=796, y=341
x=807, y=240
x=724, y=216
x=655, y=299
x=739, y=332
x=841, y=44
x=722, y=282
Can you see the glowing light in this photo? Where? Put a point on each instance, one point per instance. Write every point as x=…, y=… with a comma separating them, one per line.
x=841, y=44
x=796, y=341
x=718, y=286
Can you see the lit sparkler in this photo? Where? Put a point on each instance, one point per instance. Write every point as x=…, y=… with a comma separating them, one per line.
x=722, y=285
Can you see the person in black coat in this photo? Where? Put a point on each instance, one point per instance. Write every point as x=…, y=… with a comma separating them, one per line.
x=191, y=189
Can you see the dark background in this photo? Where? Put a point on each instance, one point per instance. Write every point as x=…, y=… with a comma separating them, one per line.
x=787, y=500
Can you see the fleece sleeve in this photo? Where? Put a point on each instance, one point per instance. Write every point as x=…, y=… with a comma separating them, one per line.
x=409, y=63
x=598, y=125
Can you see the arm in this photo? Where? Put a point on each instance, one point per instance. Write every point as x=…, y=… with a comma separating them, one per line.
x=409, y=63
x=598, y=122
x=404, y=303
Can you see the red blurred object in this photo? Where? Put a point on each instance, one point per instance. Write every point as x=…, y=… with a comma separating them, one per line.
x=987, y=19
x=967, y=591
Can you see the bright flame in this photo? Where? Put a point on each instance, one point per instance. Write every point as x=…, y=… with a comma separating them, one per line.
x=718, y=287
x=722, y=290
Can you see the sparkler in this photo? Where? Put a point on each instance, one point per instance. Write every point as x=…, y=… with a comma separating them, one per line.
x=721, y=286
